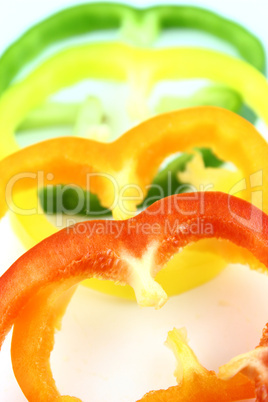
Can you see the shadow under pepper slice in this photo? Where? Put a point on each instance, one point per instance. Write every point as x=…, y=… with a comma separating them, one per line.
x=34, y=283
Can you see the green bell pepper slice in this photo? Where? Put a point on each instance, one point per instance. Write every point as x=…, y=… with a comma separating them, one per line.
x=139, y=26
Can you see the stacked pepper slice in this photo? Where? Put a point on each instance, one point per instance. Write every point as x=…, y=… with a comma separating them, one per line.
x=134, y=158
x=72, y=22
x=131, y=162
x=141, y=68
x=37, y=288
x=33, y=287
x=140, y=26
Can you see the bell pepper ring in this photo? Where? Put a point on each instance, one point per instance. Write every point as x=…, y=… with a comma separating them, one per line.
x=129, y=161
x=134, y=159
x=195, y=267
x=65, y=114
x=141, y=61
x=69, y=22
x=133, y=96
x=141, y=68
x=75, y=21
x=72, y=22
x=140, y=26
x=37, y=287
x=44, y=228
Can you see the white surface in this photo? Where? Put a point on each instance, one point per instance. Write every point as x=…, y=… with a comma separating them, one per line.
x=109, y=350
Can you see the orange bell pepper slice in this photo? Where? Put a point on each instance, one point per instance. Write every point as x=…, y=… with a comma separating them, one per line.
x=32, y=288
x=195, y=382
x=134, y=159
x=121, y=172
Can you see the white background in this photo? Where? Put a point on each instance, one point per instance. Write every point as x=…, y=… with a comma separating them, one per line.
x=109, y=350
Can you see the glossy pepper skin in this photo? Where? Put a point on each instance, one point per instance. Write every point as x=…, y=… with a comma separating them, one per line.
x=32, y=287
x=134, y=158
x=72, y=159
x=138, y=26
x=11, y=97
x=141, y=26
x=141, y=68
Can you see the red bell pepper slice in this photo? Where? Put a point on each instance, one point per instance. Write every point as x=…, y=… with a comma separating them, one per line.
x=130, y=251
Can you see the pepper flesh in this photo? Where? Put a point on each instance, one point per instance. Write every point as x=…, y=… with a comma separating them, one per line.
x=37, y=279
x=66, y=200
x=141, y=26
x=135, y=157
x=207, y=386
x=175, y=132
x=51, y=75
x=90, y=17
x=76, y=21
x=142, y=68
